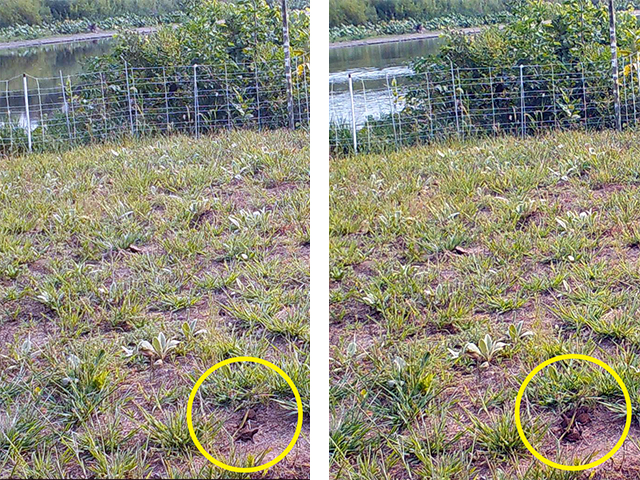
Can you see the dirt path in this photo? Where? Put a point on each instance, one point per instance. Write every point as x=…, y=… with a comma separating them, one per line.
x=79, y=37
x=407, y=37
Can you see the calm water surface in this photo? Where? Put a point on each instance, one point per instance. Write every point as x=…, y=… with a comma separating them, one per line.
x=44, y=62
x=371, y=66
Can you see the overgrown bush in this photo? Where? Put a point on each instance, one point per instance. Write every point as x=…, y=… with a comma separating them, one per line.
x=228, y=57
x=566, y=53
x=401, y=27
x=83, y=25
x=475, y=85
x=361, y=12
x=14, y=12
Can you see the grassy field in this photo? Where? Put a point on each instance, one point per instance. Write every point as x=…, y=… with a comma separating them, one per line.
x=455, y=270
x=126, y=271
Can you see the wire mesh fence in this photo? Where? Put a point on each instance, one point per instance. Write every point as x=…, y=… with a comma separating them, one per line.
x=444, y=101
x=39, y=114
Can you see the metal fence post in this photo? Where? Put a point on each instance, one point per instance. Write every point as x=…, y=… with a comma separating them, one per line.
x=73, y=109
x=104, y=104
x=522, y=111
x=287, y=63
x=366, y=110
x=196, y=102
x=637, y=70
x=306, y=91
x=65, y=104
x=166, y=98
x=429, y=104
x=395, y=108
x=353, y=117
x=613, y=43
x=633, y=91
x=138, y=105
x=226, y=93
x=9, y=115
x=42, y=120
x=553, y=90
x=259, y=115
x=493, y=103
x=26, y=106
x=297, y=91
x=126, y=74
x=584, y=97
x=624, y=94
x=455, y=98
x=393, y=118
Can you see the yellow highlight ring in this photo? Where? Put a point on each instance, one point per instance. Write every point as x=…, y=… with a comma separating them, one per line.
x=190, y=418
x=627, y=400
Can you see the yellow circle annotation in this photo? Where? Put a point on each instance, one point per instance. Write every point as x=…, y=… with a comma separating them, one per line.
x=625, y=432
x=207, y=454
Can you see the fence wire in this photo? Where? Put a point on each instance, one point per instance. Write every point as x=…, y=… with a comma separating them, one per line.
x=40, y=114
x=444, y=101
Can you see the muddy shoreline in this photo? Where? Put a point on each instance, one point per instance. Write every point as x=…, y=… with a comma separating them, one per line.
x=406, y=37
x=78, y=37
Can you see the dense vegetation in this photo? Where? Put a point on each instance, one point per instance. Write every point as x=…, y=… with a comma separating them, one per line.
x=360, y=12
x=36, y=12
x=355, y=19
x=566, y=82
x=411, y=25
x=455, y=269
x=571, y=32
x=84, y=25
x=216, y=32
x=240, y=79
x=569, y=44
x=240, y=50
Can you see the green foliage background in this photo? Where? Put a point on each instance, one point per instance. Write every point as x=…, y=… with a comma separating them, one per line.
x=35, y=12
x=359, y=12
x=565, y=53
x=238, y=49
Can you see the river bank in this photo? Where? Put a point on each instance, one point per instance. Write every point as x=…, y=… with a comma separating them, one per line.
x=78, y=37
x=406, y=37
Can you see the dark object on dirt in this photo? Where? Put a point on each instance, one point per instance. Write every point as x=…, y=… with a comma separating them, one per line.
x=570, y=424
x=246, y=434
x=583, y=419
x=93, y=28
x=565, y=422
x=574, y=436
x=420, y=28
x=582, y=416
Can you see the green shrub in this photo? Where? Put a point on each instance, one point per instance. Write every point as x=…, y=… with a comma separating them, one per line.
x=349, y=12
x=14, y=13
x=361, y=12
x=20, y=12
